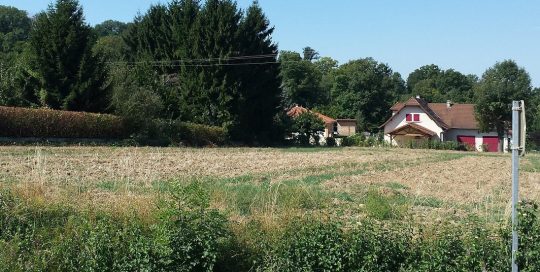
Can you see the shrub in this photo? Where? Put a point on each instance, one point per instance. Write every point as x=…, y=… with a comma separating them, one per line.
x=330, y=141
x=45, y=123
x=375, y=248
x=306, y=126
x=313, y=246
x=197, y=135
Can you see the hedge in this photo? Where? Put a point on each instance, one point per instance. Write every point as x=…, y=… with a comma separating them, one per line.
x=46, y=123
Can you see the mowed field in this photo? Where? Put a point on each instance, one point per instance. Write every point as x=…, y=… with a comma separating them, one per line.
x=269, y=184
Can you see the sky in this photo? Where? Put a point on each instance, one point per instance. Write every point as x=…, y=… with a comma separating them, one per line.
x=466, y=35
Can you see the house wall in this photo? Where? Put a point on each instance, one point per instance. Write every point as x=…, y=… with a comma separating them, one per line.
x=451, y=135
x=346, y=128
x=398, y=121
x=328, y=130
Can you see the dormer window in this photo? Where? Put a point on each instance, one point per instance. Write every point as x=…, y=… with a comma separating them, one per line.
x=412, y=117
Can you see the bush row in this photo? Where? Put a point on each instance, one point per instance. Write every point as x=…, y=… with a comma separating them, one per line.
x=188, y=236
x=45, y=123
x=378, y=140
x=174, y=132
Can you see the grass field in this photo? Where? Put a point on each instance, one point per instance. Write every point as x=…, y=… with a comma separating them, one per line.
x=272, y=184
x=248, y=209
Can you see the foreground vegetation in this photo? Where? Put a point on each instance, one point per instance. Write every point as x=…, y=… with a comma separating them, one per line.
x=186, y=235
x=242, y=209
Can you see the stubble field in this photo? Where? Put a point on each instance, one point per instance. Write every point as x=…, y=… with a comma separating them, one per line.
x=270, y=185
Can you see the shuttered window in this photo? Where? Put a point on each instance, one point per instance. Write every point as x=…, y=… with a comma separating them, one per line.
x=412, y=117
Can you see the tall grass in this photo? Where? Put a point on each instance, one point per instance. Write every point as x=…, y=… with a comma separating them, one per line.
x=186, y=234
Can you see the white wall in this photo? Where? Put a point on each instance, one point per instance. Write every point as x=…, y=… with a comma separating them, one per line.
x=399, y=120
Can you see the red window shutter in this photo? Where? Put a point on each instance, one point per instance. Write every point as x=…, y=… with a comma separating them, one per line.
x=416, y=117
x=408, y=117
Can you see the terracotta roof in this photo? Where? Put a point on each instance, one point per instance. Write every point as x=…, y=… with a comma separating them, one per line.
x=397, y=106
x=411, y=128
x=297, y=110
x=457, y=116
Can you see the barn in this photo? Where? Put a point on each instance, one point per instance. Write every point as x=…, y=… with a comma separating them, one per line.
x=416, y=120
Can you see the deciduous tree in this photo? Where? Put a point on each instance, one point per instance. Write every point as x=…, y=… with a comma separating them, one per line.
x=498, y=87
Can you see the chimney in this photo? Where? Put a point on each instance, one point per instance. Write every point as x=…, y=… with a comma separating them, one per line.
x=449, y=104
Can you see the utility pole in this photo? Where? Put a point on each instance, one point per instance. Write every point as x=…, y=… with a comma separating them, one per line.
x=518, y=148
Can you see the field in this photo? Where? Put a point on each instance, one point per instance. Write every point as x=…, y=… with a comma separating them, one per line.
x=261, y=209
x=344, y=183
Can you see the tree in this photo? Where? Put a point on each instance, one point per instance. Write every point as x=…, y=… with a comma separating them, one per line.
x=259, y=93
x=14, y=28
x=110, y=28
x=310, y=54
x=111, y=48
x=436, y=85
x=364, y=89
x=307, y=125
x=149, y=38
x=300, y=81
x=213, y=91
x=70, y=77
x=499, y=86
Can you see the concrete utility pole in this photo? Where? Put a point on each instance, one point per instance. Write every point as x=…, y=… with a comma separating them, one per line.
x=518, y=146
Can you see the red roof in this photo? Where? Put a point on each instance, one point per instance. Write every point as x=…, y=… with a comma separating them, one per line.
x=297, y=110
x=456, y=116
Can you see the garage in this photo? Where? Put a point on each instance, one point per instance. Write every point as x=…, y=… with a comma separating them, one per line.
x=492, y=143
x=467, y=140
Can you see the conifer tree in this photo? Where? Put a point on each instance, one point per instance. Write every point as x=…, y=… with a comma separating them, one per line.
x=259, y=98
x=70, y=77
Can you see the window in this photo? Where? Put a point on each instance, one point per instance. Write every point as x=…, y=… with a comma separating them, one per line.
x=412, y=117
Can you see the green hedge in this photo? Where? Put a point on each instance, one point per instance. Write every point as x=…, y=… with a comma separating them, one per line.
x=45, y=123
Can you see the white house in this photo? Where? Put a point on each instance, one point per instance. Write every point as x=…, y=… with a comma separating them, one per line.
x=417, y=120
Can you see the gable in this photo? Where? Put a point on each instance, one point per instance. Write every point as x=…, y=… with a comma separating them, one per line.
x=457, y=116
x=399, y=120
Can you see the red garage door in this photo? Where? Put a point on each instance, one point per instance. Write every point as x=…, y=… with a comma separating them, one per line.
x=468, y=140
x=492, y=143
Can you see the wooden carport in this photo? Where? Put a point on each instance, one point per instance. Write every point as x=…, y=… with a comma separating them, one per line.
x=412, y=130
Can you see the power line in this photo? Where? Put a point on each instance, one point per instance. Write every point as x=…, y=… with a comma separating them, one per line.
x=206, y=60
x=212, y=64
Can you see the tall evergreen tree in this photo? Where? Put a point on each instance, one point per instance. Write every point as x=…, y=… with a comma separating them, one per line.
x=259, y=98
x=149, y=37
x=211, y=93
x=70, y=77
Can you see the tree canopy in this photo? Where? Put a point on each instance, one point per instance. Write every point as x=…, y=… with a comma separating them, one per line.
x=213, y=63
x=437, y=85
x=69, y=76
x=365, y=90
x=498, y=87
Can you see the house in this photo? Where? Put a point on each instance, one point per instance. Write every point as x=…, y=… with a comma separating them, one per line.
x=332, y=127
x=417, y=120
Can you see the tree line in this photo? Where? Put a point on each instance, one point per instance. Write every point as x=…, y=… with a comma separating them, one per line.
x=214, y=63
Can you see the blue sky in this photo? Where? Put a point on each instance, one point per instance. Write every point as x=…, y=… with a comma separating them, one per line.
x=466, y=35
